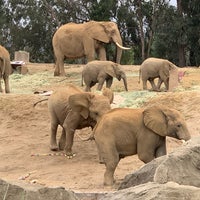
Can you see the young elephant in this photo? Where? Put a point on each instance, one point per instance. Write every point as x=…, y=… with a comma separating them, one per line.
x=101, y=71
x=153, y=68
x=5, y=68
x=124, y=131
x=72, y=109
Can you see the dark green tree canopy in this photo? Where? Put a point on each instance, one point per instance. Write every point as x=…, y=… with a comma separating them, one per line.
x=149, y=27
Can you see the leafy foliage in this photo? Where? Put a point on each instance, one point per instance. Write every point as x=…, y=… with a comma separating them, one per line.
x=150, y=28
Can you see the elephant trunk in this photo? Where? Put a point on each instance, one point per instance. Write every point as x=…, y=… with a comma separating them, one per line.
x=118, y=42
x=119, y=51
x=125, y=83
x=118, y=54
x=184, y=134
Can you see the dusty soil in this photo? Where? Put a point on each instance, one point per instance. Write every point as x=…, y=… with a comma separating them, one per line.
x=25, y=130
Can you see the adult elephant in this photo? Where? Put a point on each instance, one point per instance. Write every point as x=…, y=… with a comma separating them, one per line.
x=153, y=68
x=84, y=40
x=5, y=68
x=72, y=109
x=124, y=131
x=101, y=71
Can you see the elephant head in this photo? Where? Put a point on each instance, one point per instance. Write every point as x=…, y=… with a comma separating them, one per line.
x=107, y=32
x=91, y=105
x=166, y=122
x=115, y=71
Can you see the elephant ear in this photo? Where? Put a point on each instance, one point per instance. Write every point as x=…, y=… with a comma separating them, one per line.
x=80, y=103
x=155, y=119
x=111, y=69
x=97, y=31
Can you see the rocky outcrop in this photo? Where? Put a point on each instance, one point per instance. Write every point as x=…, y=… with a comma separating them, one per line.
x=154, y=191
x=181, y=166
x=174, y=176
x=15, y=191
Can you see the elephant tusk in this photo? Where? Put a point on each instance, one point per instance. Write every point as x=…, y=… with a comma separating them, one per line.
x=183, y=141
x=121, y=47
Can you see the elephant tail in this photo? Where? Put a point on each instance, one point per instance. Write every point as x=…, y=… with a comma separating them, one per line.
x=39, y=102
x=139, y=75
x=90, y=137
x=82, y=80
x=2, y=69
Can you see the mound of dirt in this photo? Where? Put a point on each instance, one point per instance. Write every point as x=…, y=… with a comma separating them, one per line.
x=25, y=130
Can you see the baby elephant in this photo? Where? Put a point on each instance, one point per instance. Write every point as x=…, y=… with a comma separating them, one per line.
x=100, y=71
x=73, y=109
x=153, y=68
x=123, y=132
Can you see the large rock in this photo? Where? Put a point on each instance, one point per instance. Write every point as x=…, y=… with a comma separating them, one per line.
x=181, y=166
x=152, y=190
x=11, y=191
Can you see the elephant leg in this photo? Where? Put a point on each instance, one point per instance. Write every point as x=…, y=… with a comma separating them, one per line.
x=111, y=164
x=59, y=67
x=53, y=143
x=154, y=88
x=69, y=144
x=62, y=141
x=109, y=82
x=161, y=151
x=89, y=85
x=102, y=53
x=144, y=84
x=146, y=153
x=87, y=89
x=89, y=51
x=6, y=81
x=100, y=85
x=160, y=81
x=166, y=82
x=1, y=89
x=70, y=125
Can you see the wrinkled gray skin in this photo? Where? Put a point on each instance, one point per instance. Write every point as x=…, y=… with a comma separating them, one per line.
x=72, y=109
x=85, y=40
x=101, y=71
x=153, y=68
x=124, y=131
x=5, y=68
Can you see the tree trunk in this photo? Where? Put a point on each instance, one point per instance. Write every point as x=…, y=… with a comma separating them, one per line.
x=181, y=56
x=181, y=47
x=141, y=32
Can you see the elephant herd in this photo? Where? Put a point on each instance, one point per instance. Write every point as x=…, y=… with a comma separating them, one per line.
x=118, y=132
x=87, y=40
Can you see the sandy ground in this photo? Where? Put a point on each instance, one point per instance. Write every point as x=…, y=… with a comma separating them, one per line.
x=25, y=130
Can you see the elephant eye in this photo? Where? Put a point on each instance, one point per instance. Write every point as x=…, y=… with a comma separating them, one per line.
x=179, y=125
x=96, y=113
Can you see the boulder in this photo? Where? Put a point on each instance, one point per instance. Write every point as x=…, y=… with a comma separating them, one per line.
x=181, y=166
x=152, y=190
x=19, y=191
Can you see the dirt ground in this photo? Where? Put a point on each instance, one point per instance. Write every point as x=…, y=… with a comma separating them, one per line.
x=25, y=130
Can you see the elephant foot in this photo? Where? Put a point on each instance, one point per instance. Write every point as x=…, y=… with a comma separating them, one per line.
x=109, y=182
x=56, y=74
x=155, y=90
x=101, y=161
x=61, y=145
x=54, y=148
